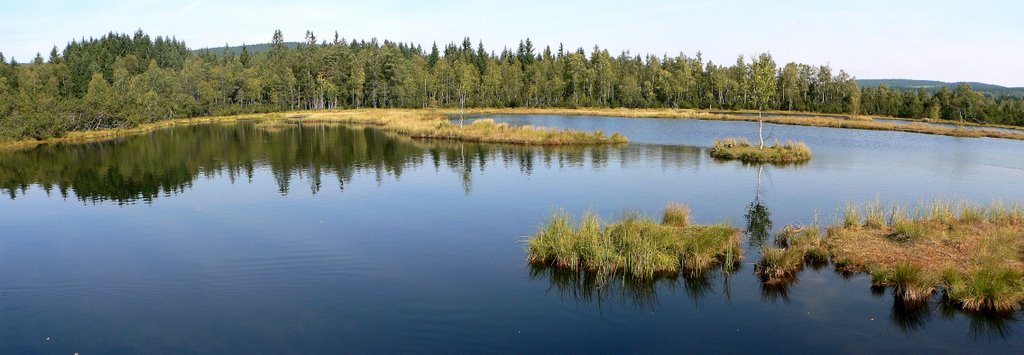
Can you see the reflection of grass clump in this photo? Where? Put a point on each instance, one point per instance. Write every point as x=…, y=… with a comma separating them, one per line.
x=740, y=149
x=635, y=245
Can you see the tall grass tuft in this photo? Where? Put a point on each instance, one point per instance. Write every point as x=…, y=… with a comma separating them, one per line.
x=676, y=215
x=913, y=285
x=851, y=216
x=797, y=246
x=990, y=288
x=874, y=214
x=635, y=245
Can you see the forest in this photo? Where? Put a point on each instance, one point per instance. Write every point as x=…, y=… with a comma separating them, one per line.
x=123, y=80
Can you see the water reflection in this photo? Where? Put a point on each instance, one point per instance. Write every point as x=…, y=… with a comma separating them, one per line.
x=759, y=223
x=592, y=288
x=167, y=162
x=914, y=317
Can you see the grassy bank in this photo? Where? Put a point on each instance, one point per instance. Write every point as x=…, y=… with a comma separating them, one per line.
x=635, y=246
x=740, y=149
x=533, y=135
x=975, y=253
x=777, y=117
x=104, y=134
x=427, y=124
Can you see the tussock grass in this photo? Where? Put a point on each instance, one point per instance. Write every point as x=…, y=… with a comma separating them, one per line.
x=635, y=246
x=676, y=215
x=740, y=149
x=974, y=252
x=912, y=284
x=797, y=246
x=779, y=265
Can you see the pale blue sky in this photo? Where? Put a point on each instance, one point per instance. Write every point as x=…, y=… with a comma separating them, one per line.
x=974, y=40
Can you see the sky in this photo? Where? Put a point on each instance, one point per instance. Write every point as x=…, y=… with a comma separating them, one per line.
x=977, y=40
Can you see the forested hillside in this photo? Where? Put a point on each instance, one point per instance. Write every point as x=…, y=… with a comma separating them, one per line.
x=122, y=80
x=934, y=86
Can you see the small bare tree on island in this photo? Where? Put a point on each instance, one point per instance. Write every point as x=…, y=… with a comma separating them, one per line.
x=763, y=72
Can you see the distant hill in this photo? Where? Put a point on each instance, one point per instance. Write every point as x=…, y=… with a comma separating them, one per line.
x=933, y=86
x=252, y=48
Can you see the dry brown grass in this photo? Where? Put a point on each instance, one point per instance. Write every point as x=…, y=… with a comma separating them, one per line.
x=777, y=117
x=975, y=252
x=425, y=124
x=429, y=124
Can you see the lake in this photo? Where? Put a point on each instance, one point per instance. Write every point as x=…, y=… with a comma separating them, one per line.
x=327, y=238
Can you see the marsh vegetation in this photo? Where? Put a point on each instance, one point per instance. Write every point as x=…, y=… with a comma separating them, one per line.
x=972, y=252
x=635, y=246
x=741, y=149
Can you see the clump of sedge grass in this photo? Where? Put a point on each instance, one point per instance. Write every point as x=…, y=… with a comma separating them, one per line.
x=779, y=265
x=635, y=246
x=797, y=246
x=912, y=284
x=676, y=215
x=741, y=149
x=992, y=287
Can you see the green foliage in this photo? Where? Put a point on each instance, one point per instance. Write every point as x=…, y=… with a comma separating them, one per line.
x=154, y=79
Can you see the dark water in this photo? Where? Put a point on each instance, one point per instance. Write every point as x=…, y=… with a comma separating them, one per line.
x=318, y=239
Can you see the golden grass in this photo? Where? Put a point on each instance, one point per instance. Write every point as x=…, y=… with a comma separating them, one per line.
x=777, y=117
x=428, y=124
x=635, y=246
x=740, y=149
x=105, y=134
x=676, y=215
x=975, y=252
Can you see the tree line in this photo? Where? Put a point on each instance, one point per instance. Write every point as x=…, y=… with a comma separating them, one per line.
x=122, y=80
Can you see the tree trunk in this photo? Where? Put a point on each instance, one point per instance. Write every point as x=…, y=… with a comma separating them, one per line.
x=760, y=130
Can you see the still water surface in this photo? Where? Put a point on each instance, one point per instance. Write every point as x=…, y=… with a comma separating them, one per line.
x=314, y=239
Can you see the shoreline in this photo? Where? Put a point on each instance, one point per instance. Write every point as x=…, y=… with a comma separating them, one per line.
x=810, y=119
